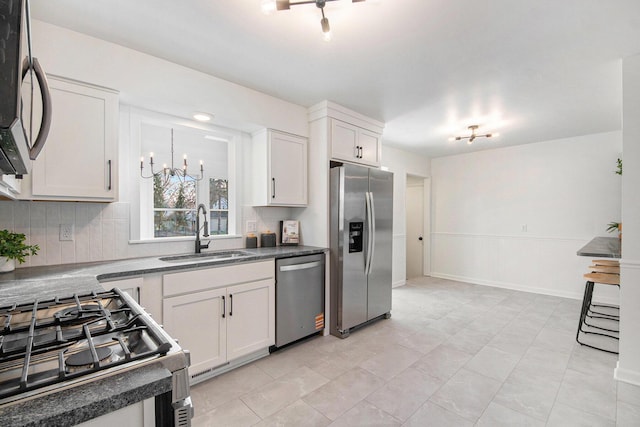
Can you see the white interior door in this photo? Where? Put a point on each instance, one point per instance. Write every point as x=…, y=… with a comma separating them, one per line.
x=415, y=227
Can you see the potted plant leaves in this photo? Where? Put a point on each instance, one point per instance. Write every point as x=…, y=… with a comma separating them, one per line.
x=12, y=248
x=612, y=226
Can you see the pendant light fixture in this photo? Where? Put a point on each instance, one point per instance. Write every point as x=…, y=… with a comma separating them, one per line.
x=270, y=6
x=473, y=135
x=169, y=172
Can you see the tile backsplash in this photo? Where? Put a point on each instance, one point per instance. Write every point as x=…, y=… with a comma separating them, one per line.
x=101, y=231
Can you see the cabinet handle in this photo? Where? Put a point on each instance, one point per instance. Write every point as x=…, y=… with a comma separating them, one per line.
x=357, y=151
x=224, y=307
x=109, y=172
x=273, y=188
x=231, y=304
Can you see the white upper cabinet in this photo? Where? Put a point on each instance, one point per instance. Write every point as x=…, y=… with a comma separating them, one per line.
x=279, y=174
x=348, y=135
x=354, y=144
x=79, y=159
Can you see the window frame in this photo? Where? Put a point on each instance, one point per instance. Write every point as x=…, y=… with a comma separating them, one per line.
x=141, y=226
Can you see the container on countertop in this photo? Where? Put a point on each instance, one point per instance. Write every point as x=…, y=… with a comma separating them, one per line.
x=267, y=239
x=251, y=241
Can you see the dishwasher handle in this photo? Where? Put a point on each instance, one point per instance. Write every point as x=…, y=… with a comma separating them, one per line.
x=305, y=266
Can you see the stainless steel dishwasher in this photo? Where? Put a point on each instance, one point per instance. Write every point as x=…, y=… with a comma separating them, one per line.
x=299, y=298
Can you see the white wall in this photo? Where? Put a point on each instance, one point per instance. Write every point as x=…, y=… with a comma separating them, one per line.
x=158, y=85
x=515, y=217
x=401, y=163
x=629, y=361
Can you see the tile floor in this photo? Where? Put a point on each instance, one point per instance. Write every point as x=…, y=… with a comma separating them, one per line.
x=452, y=354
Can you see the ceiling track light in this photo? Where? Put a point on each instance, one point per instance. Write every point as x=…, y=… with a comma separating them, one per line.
x=473, y=135
x=269, y=6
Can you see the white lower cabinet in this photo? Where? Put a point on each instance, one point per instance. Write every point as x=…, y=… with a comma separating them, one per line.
x=197, y=322
x=249, y=318
x=140, y=414
x=220, y=314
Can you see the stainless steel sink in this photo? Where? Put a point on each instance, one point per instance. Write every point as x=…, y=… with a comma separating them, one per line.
x=205, y=256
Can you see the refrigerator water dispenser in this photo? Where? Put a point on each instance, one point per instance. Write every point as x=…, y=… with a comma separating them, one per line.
x=355, y=236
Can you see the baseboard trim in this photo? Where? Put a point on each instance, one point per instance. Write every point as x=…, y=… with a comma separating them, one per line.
x=518, y=287
x=398, y=283
x=626, y=375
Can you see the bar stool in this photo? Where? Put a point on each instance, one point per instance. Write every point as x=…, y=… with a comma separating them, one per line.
x=592, y=279
x=606, y=262
x=609, y=270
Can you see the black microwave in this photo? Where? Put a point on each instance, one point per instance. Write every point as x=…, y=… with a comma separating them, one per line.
x=18, y=143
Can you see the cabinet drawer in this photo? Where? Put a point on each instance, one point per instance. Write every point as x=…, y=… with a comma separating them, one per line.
x=216, y=277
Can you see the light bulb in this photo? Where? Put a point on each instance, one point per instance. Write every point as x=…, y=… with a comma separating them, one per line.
x=326, y=29
x=268, y=6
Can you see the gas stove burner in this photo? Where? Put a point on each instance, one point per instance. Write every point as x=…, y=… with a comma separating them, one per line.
x=81, y=313
x=85, y=358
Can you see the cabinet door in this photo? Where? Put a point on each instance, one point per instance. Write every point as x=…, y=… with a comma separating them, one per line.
x=78, y=159
x=288, y=169
x=344, y=138
x=251, y=318
x=196, y=321
x=369, y=143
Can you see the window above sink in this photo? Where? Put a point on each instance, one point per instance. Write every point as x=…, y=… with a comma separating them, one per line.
x=166, y=207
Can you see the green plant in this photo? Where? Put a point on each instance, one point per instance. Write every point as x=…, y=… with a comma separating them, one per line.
x=619, y=169
x=12, y=246
x=613, y=226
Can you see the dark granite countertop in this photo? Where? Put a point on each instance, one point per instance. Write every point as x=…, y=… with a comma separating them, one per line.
x=86, y=401
x=23, y=284
x=81, y=403
x=602, y=247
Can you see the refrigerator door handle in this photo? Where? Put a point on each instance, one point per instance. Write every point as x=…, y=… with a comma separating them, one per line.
x=369, y=257
x=373, y=230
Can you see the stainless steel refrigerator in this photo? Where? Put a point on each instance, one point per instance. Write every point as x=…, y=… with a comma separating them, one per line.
x=361, y=239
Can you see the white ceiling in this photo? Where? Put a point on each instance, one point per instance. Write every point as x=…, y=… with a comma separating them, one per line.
x=533, y=70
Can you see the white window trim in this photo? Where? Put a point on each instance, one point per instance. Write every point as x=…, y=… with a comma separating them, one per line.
x=136, y=118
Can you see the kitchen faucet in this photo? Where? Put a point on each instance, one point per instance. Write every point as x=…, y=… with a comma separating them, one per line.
x=205, y=231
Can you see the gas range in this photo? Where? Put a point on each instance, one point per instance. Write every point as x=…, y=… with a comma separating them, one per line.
x=50, y=345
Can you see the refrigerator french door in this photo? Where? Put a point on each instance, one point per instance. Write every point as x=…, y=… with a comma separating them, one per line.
x=360, y=240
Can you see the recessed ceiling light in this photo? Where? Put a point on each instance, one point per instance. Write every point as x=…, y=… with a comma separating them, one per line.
x=202, y=117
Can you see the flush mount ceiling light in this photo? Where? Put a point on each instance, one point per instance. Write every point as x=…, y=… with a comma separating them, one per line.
x=202, y=117
x=269, y=6
x=473, y=135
